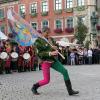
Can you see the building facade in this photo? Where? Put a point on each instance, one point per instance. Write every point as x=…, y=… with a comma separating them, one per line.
x=98, y=26
x=60, y=15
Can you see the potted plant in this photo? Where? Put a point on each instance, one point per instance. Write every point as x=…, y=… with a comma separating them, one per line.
x=39, y=31
x=69, y=10
x=80, y=8
x=58, y=30
x=33, y=14
x=98, y=27
x=44, y=13
x=69, y=30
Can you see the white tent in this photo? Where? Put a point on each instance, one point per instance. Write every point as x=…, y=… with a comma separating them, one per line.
x=3, y=36
x=65, y=42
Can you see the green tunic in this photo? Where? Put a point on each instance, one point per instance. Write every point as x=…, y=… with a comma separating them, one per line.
x=44, y=48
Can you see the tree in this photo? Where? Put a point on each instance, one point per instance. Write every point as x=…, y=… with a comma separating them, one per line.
x=87, y=43
x=80, y=31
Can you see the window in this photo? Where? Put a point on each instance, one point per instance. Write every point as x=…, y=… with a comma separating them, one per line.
x=34, y=8
x=80, y=2
x=69, y=3
x=22, y=9
x=1, y=13
x=69, y=22
x=81, y=18
x=45, y=23
x=58, y=24
x=58, y=4
x=34, y=25
x=44, y=6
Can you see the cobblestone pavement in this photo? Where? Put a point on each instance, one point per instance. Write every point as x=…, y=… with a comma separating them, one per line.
x=86, y=79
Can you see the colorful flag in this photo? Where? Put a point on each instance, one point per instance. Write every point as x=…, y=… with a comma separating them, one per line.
x=22, y=31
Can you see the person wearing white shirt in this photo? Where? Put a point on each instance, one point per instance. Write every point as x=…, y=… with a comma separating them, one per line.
x=72, y=58
x=90, y=56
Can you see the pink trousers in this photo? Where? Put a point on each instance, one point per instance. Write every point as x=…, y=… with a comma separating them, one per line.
x=46, y=73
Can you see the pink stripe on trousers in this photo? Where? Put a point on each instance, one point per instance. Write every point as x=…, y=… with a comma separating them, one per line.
x=46, y=73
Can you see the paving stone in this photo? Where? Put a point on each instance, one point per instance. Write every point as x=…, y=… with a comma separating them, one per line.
x=85, y=78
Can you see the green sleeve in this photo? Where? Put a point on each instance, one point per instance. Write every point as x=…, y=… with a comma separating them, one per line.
x=43, y=49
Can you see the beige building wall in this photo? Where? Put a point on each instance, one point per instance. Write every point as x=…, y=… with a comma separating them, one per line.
x=98, y=11
x=89, y=7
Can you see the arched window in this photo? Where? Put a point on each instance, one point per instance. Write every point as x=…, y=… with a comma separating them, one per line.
x=69, y=22
x=58, y=24
x=45, y=23
x=34, y=25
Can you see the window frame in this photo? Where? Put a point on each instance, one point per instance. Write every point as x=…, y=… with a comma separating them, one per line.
x=58, y=6
x=33, y=7
x=36, y=24
x=66, y=3
x=46, y=6
x=80, y=3
x=42, y=23
x=61, y=23
x=20, y=8
x=82, y=18
x=71, y=24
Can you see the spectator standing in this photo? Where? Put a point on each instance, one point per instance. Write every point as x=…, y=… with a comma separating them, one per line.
x=90, y=56
x=72, y=57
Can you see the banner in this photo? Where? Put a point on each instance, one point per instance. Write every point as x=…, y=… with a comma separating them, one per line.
x=22, y=31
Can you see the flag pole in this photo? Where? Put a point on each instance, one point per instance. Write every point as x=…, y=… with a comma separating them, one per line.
x=58, y=52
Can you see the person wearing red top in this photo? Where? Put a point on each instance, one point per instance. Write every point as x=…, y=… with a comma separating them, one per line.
x=20, y=58
x=27, y=62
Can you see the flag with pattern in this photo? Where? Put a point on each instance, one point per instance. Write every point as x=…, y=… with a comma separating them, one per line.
x=22, y=31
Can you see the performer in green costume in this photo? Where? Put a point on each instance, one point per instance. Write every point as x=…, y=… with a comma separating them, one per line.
x=47, y=54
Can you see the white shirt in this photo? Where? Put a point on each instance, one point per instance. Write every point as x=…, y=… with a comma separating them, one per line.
x=72, y=55
x=89, y=53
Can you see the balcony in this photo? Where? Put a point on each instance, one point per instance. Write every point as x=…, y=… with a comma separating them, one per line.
x=7, y=1
x=69, y=10
x=58, y=11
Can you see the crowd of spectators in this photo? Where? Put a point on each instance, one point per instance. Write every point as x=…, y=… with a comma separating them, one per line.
x=73, y=56
x=23, y=59
x=80, y=55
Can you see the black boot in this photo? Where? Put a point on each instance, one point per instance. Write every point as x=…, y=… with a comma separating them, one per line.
x=69, y=88
x=34, y=88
